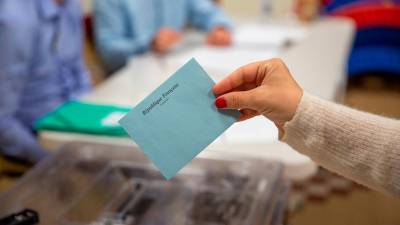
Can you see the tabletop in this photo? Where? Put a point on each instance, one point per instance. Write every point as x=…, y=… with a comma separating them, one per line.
x=316, y=55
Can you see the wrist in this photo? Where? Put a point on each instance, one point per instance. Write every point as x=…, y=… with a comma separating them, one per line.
x=297, y=97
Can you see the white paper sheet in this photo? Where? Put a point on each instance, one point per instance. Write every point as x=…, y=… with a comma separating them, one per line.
x=267, y=35
x=220, y=61
x=256, y=130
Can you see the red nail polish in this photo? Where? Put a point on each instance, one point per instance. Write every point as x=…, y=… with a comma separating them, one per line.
x=221, y=103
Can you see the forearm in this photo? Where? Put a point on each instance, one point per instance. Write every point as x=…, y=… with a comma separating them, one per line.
x=360, y=146
x=117, y=50
x=16, y=140
x=219, y=19
x=15, y=64
x=206, y=15
x=114, y=44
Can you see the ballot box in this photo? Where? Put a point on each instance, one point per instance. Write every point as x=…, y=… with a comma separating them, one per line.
x=105, y=184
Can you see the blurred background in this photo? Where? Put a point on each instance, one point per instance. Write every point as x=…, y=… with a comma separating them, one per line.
x=347, y=46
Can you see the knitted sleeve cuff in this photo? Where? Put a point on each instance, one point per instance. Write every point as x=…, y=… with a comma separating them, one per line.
x=298, y=129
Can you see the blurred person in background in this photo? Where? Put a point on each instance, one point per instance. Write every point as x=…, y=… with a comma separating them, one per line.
x=125, y=28
x=41, y=66
x=378, y=31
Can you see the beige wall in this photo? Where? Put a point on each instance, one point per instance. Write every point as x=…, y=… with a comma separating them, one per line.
x=86, y=6
x=253, y=7
x=241, y=7
x=235, y=7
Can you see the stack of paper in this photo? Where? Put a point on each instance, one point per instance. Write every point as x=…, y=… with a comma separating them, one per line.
x=256, y=35
x=256, y=130
x=220, y=61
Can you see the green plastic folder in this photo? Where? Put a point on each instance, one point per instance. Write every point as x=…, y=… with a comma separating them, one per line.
x=79, y=117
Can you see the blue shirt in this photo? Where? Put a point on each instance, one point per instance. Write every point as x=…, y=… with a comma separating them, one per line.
x=41, y=66
x=127, y=27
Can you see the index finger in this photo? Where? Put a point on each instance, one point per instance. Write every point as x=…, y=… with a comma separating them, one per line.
x=245, y=74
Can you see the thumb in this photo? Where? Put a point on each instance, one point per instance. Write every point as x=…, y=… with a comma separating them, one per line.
x=237, y=100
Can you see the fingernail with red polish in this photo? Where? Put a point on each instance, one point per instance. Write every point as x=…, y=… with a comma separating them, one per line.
x=220, y=103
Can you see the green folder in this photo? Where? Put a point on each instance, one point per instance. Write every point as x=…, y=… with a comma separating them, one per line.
x=79, y=117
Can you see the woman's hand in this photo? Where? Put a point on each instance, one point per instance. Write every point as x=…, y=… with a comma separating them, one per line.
x=307, y=10
x=262, y=88
x=166, y=39
x=219, y=36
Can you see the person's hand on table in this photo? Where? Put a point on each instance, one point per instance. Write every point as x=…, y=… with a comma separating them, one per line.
x=166, y=39
x=219, y=36
x=307, y=10
x=262, y=88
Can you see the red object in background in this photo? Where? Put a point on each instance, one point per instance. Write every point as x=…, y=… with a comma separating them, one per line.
x=372, y=15
x=326, y=2
x=88, y=23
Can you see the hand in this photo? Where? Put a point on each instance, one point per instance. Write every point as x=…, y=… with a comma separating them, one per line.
x=218, y=2
x=165, y=39
x=219, y=36
x=307, y=10
x=262, y=88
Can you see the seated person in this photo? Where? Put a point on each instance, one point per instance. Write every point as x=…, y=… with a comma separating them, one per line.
x=128, y=27
x=41, y=66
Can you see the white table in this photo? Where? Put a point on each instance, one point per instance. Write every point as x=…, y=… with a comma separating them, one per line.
x=317, y=61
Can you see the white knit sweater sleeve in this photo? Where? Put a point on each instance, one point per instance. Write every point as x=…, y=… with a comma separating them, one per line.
x=358, y=145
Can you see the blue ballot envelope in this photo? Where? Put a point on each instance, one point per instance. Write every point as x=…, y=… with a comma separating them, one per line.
x=178, y=120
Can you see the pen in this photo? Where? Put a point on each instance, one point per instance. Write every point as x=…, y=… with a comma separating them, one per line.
x=25, y=217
